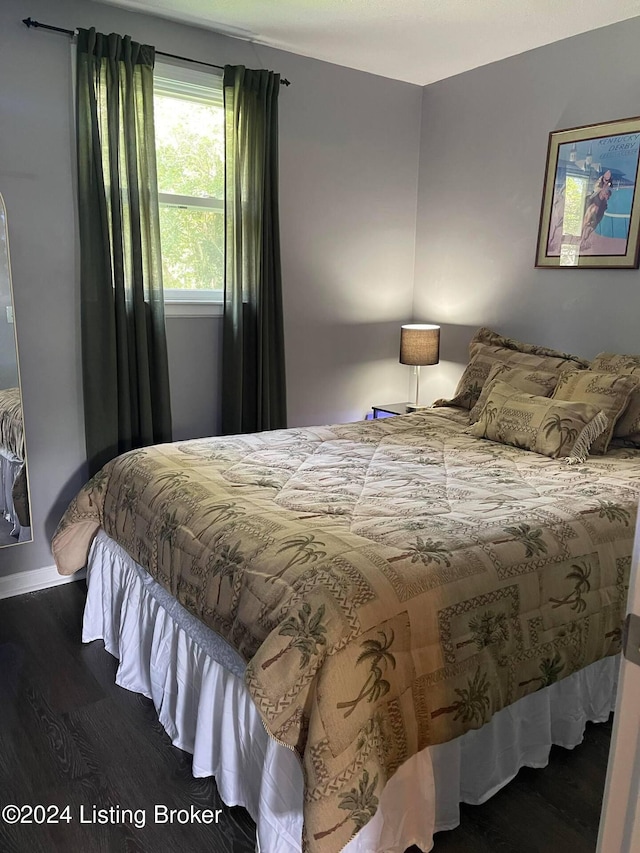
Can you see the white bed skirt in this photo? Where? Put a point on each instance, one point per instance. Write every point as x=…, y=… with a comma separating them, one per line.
x=195, y=681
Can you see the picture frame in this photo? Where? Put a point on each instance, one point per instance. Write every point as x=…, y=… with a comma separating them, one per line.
x=590, y=213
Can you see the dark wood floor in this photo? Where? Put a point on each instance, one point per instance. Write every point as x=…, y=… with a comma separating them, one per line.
x=70, y=737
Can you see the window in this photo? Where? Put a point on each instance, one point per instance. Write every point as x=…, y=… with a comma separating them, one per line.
x=189, y=122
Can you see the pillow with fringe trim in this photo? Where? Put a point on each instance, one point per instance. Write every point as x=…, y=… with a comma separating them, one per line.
x=609, y=392
x=556, y=428
x=627, y=429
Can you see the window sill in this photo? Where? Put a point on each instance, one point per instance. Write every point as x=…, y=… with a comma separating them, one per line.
x=193, y=309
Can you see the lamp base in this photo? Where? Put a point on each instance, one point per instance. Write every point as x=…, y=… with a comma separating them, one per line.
x=415, y=407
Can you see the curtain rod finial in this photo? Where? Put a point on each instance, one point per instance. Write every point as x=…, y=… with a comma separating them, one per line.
x=29, y=23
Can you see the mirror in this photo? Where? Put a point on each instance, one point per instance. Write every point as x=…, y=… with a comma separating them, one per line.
x=15, y=510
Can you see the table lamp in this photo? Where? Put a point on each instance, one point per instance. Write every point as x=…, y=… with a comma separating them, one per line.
x=419, y=346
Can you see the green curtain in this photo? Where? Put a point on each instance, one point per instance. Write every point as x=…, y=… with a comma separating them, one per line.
x=253, y=376
x=124, y=352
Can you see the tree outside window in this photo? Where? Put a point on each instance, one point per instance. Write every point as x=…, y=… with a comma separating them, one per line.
x=189, y=126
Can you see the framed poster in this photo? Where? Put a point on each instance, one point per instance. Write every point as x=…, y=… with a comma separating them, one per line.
x=590, y=208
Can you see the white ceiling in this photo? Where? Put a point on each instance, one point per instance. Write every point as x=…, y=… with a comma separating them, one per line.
x=419, y=41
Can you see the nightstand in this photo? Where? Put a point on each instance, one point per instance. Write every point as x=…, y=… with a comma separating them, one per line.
x=386, y=410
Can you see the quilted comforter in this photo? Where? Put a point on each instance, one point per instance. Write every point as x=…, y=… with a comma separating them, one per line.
x=391, y=584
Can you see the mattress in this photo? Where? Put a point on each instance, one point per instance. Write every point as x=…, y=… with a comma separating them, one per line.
x=195, y=680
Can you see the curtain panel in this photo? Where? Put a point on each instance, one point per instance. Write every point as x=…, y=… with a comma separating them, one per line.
x=124, y=352
x=253, y=380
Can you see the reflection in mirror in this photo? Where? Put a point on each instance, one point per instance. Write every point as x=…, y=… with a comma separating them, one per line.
x=15, y=511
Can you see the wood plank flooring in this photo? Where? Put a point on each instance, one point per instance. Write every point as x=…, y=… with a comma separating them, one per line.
x=70, y=737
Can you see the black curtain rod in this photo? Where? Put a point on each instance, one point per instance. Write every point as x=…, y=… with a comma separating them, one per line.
x=29, y=22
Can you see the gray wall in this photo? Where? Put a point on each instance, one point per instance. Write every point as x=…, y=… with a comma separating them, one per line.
x=349, y=164
x=483, y=150
x=194, y=345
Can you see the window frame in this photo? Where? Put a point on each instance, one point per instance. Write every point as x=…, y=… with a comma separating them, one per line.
x=203, y=87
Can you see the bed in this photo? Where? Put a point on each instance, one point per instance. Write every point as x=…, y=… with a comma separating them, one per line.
x=14, y=500
x=375, y=614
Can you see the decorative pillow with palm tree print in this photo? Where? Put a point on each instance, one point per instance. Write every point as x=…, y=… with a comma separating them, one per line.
x=488, y=348
x=609, y=392
x=539, y=382
x=627, y=430
x=477, y=372
x=555, y=428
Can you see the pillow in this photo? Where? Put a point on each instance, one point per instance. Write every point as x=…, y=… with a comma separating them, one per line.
x=555, y=428
x=499, y=343
x=609, y=392
x=470, y=384
x=613, y=362
x=539, y=382
x=627, y=430
x=487, y=348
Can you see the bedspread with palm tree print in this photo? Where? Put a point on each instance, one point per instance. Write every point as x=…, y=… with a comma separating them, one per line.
x=391, y=584
x=11, y=430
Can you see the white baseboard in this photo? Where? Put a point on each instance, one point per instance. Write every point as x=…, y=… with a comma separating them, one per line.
x=35, y=579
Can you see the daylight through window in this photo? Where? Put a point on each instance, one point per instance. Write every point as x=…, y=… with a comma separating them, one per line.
x=189, y=121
